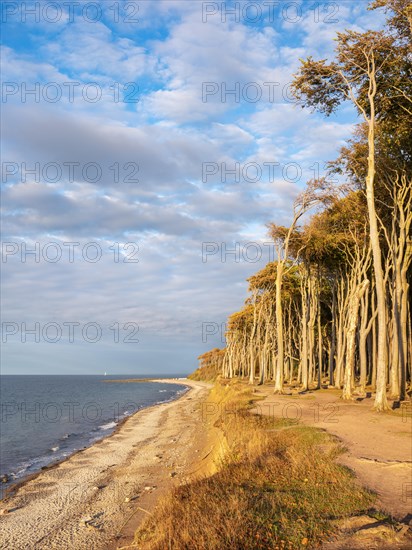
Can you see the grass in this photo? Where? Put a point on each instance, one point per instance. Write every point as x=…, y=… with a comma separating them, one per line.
x=275, y=489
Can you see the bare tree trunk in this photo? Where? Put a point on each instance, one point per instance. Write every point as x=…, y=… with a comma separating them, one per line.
x=381, y=403
x=401, y=248
x=311, y=329
x=279, y=327
x=341, y=334
x=404, y=328
x=320, y=346
x=353, y=314
x=304, y=352
x=363, y=337
x=333, y=339
x=362, y=343
x=374, y=345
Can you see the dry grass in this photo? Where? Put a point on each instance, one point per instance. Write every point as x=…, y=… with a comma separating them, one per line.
x=276, y=489
x=207, y=373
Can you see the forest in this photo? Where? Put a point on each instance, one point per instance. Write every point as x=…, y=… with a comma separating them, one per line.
x=334, y=308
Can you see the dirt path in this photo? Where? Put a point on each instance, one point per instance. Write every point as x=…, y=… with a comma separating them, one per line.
x=379, y=445
x=379, y=451
x=97, y=498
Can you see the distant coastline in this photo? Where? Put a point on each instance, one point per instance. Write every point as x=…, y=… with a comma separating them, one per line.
x=141, y=380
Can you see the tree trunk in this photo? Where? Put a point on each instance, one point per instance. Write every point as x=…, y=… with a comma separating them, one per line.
x=279, y=328
x=381, y=403
x=333, y=338
x=304, y=353
x=353, y=315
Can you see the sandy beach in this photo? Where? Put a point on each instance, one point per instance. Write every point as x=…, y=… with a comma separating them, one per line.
x=98, y=497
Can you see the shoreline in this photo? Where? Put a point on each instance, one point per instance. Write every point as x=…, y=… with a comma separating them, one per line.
x=83, y=500
x=12, y=487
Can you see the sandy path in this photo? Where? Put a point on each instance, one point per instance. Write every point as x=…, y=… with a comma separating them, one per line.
x=379, y=445
x=98, y=497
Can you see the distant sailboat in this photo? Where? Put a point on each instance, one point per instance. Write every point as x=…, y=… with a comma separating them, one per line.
x=105, y=373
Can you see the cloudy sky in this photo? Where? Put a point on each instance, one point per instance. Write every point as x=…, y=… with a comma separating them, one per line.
x=145, y=146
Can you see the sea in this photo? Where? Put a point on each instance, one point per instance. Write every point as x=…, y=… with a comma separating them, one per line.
x=45, y=419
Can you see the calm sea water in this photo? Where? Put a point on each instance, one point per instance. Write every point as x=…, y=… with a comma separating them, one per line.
x=46, y=418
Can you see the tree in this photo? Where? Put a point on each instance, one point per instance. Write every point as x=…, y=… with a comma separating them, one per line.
x=360, y=61
x=339, y=292
x=317, y=191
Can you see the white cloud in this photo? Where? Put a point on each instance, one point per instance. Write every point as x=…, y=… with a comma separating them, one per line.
x=169, y=134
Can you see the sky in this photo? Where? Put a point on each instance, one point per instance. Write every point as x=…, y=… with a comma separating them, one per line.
x=145, y=146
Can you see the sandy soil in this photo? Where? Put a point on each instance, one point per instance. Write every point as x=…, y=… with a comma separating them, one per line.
x=379, y=451
x=97, y=498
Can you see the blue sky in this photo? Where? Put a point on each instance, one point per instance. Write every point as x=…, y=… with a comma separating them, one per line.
x=128, y=136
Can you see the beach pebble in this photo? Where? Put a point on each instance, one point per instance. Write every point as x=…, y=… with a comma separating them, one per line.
x=86, y=520
x=127, y=499
x=4, y=511
x=93, y=526
x=173, y=474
